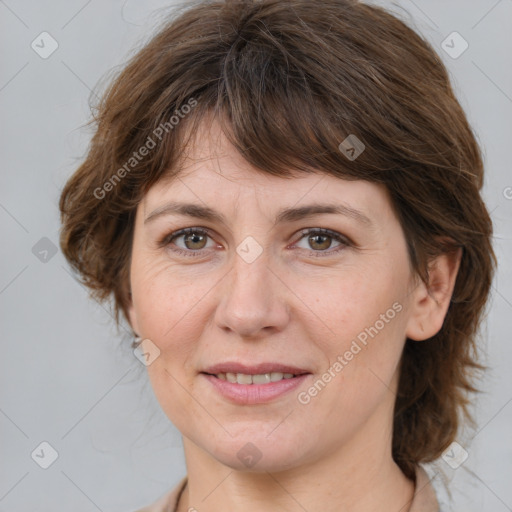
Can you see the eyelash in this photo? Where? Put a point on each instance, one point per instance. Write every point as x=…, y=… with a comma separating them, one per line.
x=344, y=241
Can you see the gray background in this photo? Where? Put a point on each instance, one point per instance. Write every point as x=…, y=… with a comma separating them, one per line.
x=67, y=376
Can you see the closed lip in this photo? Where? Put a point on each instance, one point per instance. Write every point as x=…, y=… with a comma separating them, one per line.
x=253, y=369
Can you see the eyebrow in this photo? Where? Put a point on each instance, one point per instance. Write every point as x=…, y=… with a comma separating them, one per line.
x=284, y=215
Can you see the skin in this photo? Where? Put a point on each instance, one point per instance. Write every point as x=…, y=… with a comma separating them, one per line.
x=287, y=306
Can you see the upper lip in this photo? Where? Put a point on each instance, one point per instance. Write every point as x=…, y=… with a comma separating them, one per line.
x=253, y=369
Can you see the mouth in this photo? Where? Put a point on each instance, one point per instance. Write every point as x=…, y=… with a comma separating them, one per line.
x=263, y=373
x=244, y=384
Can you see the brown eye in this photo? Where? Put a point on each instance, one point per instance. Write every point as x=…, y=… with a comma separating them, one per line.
x=320, y=240
x=194, y=240
x=188, y=242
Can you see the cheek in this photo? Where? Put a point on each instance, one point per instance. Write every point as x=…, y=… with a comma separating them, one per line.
x=167, y=305
x=365, y=313
x=164, y=297
x=349, y=303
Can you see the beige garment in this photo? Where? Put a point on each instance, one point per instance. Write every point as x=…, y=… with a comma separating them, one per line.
x=424, y=496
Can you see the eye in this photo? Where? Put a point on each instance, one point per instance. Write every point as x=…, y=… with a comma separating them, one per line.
x=320, y=240
x=193, y=239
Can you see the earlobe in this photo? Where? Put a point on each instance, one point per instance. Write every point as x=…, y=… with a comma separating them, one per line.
x=133, y=317
x=431, y=301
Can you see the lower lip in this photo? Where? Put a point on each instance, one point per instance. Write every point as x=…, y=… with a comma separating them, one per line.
x=246, y=394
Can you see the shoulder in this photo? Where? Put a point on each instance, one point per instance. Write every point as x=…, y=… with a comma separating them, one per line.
x=167, y=502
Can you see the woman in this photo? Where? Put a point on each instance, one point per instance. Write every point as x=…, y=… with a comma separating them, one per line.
x=283, y=197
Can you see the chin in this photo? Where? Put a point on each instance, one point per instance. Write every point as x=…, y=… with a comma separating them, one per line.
x=255, y=461
x=259, y=452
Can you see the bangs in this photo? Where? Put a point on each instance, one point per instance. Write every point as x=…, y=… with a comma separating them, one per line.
x=286, y=102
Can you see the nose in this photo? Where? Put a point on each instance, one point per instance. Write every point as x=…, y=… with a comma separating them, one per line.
x=253, y=299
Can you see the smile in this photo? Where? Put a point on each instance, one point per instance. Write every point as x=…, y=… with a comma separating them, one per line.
x=261, y=378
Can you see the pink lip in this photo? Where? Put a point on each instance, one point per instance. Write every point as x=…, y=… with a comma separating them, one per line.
x=247, y=394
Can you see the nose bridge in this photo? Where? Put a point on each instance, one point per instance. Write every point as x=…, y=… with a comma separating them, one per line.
x=251, y=298
x=250, y=273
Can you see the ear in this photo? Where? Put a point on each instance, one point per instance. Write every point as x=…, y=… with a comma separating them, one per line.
x=430, y=301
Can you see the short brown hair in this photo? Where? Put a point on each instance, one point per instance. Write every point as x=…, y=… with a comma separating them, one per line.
x=289, y=80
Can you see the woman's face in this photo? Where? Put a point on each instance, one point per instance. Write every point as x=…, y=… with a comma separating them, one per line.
x=255, y=289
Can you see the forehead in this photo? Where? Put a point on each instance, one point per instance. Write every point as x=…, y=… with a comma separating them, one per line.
x=212, y=172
